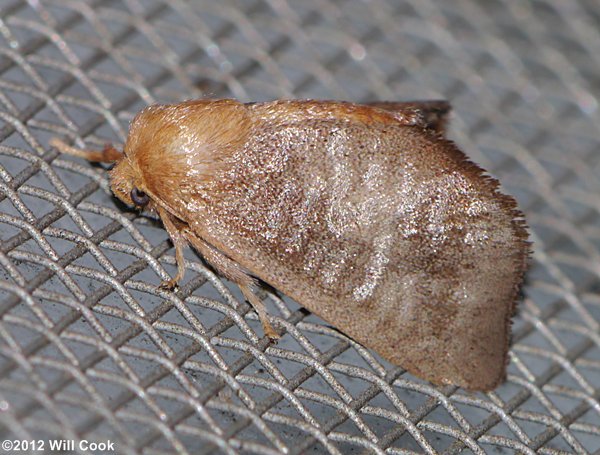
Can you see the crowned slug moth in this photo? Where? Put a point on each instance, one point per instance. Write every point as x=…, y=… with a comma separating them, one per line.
x=363, y=213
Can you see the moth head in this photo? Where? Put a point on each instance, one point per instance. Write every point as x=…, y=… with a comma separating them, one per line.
x=127, y=184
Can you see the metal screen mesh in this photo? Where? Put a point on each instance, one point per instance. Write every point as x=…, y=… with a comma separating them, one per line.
x=91, y=349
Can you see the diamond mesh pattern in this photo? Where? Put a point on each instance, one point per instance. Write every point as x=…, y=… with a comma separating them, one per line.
x=90, y=348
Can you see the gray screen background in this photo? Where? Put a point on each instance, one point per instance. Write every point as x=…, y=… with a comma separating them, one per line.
x=90, y=349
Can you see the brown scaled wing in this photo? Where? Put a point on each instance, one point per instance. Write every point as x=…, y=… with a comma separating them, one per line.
x=386, y=231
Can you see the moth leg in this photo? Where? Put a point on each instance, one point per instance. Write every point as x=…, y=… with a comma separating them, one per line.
x=233, y=272
x=179, y=242
x=432, y=115
x=107, y=155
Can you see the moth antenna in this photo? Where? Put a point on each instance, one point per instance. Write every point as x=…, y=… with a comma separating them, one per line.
x=107, y=155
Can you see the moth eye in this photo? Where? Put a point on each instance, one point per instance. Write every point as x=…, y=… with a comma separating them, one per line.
x=139, y=198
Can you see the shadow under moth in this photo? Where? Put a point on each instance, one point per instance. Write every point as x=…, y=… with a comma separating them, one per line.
x=363, y=213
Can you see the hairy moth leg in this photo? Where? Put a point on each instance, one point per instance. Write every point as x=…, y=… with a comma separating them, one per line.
x=179, y=242
x=107, y=155
x=233, y=272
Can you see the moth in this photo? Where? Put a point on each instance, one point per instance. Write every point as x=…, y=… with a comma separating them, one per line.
x=363, y=213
